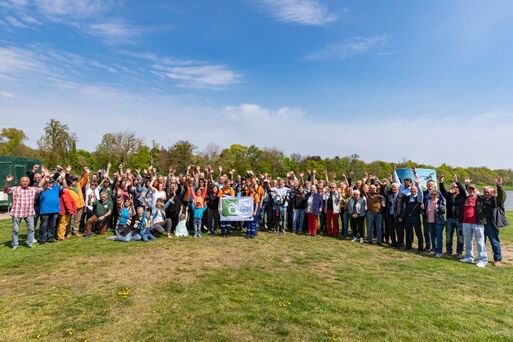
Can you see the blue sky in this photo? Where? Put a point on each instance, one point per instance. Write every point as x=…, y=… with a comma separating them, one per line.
x=427, y=81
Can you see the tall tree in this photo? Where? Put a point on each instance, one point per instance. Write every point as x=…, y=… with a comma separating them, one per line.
x=180, y=155
x=57, y=143
x=119, y=146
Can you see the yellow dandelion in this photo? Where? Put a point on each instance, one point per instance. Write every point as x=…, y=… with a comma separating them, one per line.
x=38, y=336
x=70, y=332
x=180, y=268
x=154, y=311
x=96, y=290
x=105, y=310
x=53, y=287
x=325, y=332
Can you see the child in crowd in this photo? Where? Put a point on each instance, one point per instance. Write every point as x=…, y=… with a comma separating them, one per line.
x=199, y=207
x=181, y=227
x=147, y=227
x=279, y=210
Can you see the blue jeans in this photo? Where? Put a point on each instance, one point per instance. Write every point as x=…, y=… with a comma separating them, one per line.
x=267, y=208
x=437, y=234
x=146, y=236
x=197, y=226
x=299, y=218
x=453, y=224
x=252, y=227
x=128, y=237
x=47, y=227
x=468, y=230
x=29, y=220
x=374, y=219
x=226, y=226
x=429, y=238
x=493, y=234
x=345, y=222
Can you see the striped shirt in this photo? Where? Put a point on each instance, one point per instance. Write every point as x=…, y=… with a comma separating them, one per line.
x=23, y=200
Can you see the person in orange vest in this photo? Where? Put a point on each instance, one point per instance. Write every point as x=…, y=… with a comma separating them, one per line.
x=75, y=190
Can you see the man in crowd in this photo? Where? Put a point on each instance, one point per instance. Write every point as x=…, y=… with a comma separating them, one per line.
x=23, y=197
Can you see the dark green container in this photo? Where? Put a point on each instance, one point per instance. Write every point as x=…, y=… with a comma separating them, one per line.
x=16, y=166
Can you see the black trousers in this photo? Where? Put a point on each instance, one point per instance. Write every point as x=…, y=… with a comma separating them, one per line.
x=396, y=231
x=357, y=226
x=413, y=222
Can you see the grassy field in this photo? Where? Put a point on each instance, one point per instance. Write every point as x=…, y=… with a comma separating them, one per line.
x=274, y=288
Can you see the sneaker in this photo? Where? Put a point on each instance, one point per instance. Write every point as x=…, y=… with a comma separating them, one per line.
x=459, y=256
x=252, y=237
x=41, y=242
x=51, y=241
x=31, y=246
x=497, y=263
x=169, y=236
x=438, y=255
x=77, y=234
x=110, y=238
x=87, y=236
x=481, y=264
x=199, y=235
x=14, y=248
x=466, y=260
x=247, y=237
x=432, y=252
x=361, y=240
x=354, y=240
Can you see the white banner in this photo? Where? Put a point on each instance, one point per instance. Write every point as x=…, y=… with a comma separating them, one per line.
x=236, y=208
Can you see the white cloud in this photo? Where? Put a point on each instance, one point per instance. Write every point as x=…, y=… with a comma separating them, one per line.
x=303, y=12
x=15, y=22
x=6, y=94
x=349, y=47
x=201, y=76
x=60, y=9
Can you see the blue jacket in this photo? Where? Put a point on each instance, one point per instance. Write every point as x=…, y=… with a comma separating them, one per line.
x=198, y=213
x=439, y=212
x=316, y=204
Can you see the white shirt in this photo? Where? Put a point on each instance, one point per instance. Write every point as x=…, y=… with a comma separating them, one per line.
x=89, y=194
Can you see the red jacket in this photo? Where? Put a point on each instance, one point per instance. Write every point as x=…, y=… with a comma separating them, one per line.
x=68, y=205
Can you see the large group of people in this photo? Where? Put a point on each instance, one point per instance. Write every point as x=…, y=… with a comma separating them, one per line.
x=142, y=205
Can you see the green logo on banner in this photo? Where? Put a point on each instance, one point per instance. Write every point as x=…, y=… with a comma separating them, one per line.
x=230, y=207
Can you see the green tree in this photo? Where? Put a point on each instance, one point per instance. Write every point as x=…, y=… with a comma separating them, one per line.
x=14, y=144
x=57, y=144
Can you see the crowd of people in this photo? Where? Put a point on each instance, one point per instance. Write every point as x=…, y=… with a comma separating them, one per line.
x=142, y=205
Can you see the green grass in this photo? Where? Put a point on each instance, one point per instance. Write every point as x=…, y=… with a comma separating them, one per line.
x=292, y=288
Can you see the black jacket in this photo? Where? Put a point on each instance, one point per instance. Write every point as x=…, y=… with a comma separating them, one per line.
x=454, y=204
x=399, y=205
x=299, y=202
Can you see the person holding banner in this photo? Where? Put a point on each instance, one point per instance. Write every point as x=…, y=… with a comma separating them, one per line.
x=396, y=204
x=252, y=225
x=226, y=190
x=414, y=204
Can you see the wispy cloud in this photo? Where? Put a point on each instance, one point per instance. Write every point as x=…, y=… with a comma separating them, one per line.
x=349, y=47
x=64, y=9
x=190, y=73
x=302, y=12
x=15, y=22
x=6, y=94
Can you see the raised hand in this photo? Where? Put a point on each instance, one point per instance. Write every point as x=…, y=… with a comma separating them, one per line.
x=35, y=167
x=468, y=180
x=309, y=172
x=301, y=174
x=394, y=167
x=86, y=169
x=9, y=178
x=417, y=180
x=442, y=177
x=351, y=174
x=414, y=169
x=109, y=165
x=314, y=171
x=455, y=177
x=498, y=182
x=145, y=171
x=68, y=169
x=120, y=166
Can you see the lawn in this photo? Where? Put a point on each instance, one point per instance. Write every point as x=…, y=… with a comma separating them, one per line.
x=286, y=288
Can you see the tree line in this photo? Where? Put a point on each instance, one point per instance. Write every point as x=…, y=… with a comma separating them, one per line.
x=57, y=146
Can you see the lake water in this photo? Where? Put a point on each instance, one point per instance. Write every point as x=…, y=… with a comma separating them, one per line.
x=509, y=200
